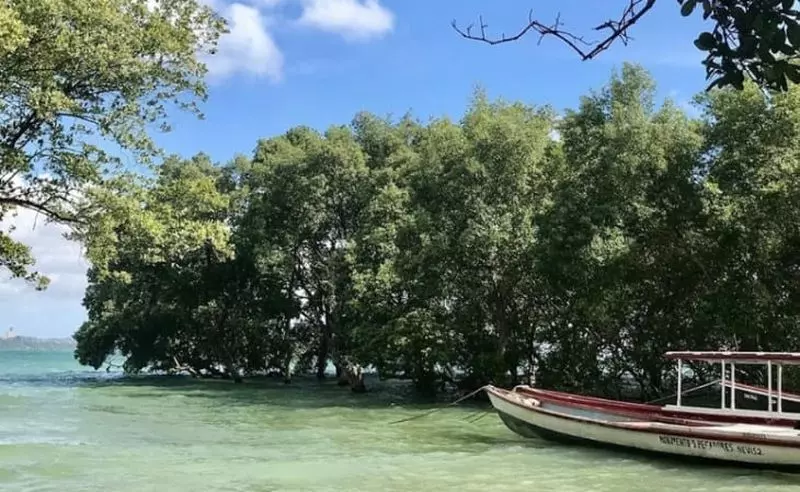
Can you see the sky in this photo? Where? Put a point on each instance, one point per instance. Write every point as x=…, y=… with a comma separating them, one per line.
x=318, y=62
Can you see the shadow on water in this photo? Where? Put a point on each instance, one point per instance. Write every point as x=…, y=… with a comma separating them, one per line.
x=301, y=393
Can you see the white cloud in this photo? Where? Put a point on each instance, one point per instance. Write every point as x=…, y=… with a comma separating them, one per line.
x=56, y=257
x=351, y=19
x=248, y=47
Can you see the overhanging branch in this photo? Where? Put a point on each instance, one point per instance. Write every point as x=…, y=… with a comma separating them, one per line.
x=614, y=29
x=40, y=207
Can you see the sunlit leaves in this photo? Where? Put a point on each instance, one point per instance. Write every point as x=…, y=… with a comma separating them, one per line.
x=80, y=77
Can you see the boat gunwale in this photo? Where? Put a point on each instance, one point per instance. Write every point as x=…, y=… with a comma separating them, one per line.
x=656, y=416
x=653, y=428
x=670, y=412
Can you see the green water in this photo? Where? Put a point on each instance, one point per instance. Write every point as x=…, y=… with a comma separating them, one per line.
x=66, y=429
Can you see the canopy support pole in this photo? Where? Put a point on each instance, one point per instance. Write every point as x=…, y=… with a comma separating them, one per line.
x=722, y=385
x=769, y=386
x=733, y=386
x=780, y=388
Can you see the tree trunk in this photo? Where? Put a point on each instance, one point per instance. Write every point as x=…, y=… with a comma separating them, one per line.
x=355, y=377
x=287, y=356
x=233, y=371
x=350, y=374
x=342, y=378
x=425, y=381
x=322, y=355
x=287, y=369
x=502, y=325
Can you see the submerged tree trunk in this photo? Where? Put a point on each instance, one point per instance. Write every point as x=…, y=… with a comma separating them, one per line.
x=355, y=378
x=424, y=380
x=232, y=371
x=341, y=376
x=287, y=369
x=349, y=374
x=289, y=353
x=322, y=356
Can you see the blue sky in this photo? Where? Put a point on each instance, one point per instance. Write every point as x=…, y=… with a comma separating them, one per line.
x=318, y=62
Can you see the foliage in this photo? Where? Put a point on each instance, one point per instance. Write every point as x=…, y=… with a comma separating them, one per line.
x=463, y=252
x=78, y=77
x=758, y=40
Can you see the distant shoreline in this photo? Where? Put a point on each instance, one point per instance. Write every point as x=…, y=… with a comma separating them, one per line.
x=34, y=343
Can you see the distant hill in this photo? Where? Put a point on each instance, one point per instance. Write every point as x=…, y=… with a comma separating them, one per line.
x=33, y=343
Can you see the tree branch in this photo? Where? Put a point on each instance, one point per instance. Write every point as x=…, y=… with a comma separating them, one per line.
x=615, y=29
x=39, y=207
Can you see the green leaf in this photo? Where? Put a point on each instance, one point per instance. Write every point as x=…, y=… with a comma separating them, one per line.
x=720, y=82
x=688, y=7
x=792, y=73
x=758, y=23
x=705, y=41
x=778, y=40
x=737, y=80
x=747, y=46
x=793, y=34
x=783, y=84
x=707, y=9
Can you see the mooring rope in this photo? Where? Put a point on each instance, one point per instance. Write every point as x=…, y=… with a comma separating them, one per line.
x=476, y=417
x=479, y=415
x=429, y=412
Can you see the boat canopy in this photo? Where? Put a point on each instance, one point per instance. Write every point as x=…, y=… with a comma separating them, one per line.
x=728, y=378
x=784, y=358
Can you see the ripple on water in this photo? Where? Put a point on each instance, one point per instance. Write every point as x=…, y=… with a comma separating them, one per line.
x=69, y=430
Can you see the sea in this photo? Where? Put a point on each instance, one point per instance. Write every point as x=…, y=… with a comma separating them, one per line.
x=67, y=428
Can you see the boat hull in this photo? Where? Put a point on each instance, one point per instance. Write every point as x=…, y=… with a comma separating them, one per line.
x=523, y=416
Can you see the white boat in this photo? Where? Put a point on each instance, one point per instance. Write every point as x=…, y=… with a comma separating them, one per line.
x=726, y=434
x=738, y=443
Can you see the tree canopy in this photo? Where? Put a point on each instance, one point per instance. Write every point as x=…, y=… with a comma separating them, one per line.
x=510, y=244
x=81, y=77
x=757, y=40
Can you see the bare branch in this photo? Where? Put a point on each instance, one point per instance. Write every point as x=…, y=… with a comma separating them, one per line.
x=614, y=29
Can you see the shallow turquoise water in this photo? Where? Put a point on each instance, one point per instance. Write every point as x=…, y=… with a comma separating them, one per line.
x=63, y=428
